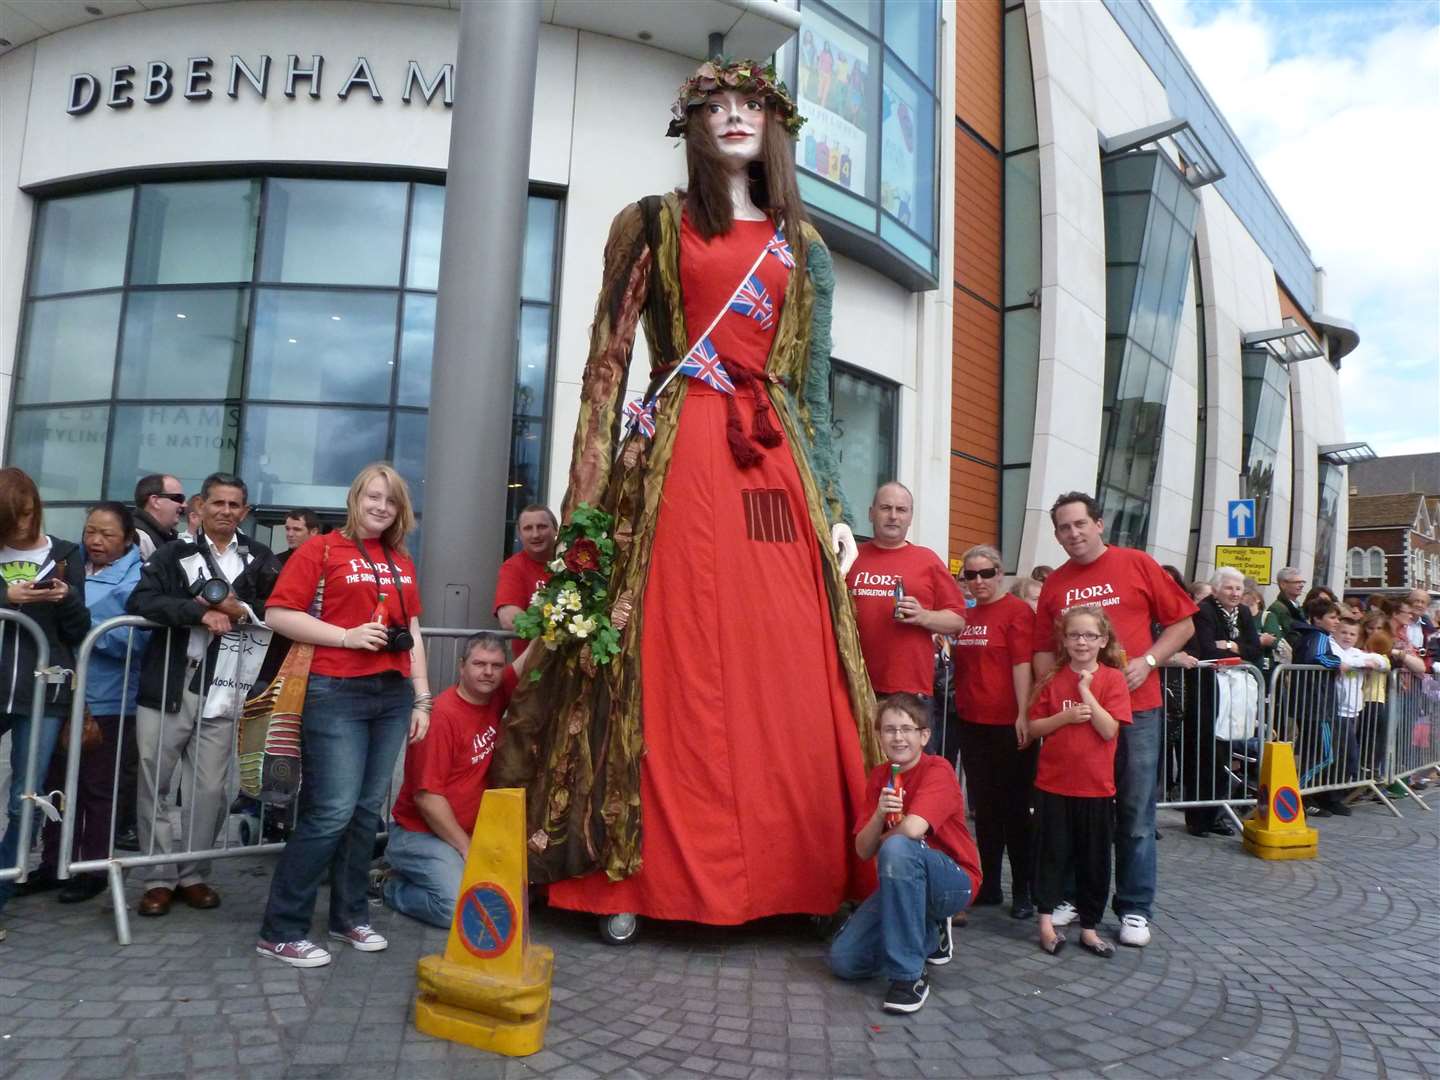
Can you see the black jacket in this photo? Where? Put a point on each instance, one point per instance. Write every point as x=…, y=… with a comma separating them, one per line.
x=159, y=537
x=1212, y=626
x=163, y=596
x=65, y=625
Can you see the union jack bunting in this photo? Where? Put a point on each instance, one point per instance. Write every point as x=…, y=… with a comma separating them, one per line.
x=641, y=416
x=703, y=362
x=781, y=250
x=754, y=301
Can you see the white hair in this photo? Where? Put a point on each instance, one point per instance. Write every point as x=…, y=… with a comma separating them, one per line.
x=1226, y=573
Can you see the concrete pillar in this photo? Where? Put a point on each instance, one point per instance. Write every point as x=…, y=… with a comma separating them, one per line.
x=473, y=374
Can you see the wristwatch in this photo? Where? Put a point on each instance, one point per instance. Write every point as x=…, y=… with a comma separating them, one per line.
x=1150, y=660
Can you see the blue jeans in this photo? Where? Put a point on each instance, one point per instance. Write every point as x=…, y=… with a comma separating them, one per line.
x=425, y=875
x=1137, y=783
x=351, y=732
x=18, y=724
x=893, y=931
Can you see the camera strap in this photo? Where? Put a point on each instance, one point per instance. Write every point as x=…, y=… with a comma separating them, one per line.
x=202, y=545
x=394, y=576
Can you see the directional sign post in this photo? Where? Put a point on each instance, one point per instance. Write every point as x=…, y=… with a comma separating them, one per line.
x=1240, y=516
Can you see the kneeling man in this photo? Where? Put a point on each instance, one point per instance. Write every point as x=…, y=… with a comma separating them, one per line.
x=928, y=866
x=445, y=773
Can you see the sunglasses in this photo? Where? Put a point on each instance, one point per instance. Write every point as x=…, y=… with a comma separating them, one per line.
x=172, y=498
x=971, y=575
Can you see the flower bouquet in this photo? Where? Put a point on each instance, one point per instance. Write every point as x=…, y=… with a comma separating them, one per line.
x=573, y=606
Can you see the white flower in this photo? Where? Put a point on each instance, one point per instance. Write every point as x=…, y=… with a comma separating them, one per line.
x=581, y=627
x=560, y=548
x=556, y=566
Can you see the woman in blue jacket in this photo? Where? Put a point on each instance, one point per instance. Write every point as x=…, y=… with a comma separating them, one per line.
x=112, y=570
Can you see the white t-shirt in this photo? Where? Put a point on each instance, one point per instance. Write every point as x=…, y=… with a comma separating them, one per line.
x=23, y=564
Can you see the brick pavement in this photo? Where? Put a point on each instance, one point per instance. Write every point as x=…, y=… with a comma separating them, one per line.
x=1299, y=970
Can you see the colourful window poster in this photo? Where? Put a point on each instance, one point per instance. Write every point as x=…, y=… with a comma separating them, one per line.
x=904, y=171
x=836, y=91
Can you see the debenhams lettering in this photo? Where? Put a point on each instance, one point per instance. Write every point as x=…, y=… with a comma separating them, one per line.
x=160, y=81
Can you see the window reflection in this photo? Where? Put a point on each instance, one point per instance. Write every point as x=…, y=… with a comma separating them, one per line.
x=184, y=344
x=333, y=232
x=910, y=32
x=63, y=450
x=323, y=346
x=412, y=431
x=427, y=214
x=298, y=456
x=80, y=242
x=417, y=345
x=69, y=352
x=189, y=440
x=907, y=161
x=862, y=423
x=537, y=281
x=838, y=93
x=195, y=232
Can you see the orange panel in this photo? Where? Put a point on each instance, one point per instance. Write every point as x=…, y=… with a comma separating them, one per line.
x=978, y=66
x=977, y=218
x=1289, y=307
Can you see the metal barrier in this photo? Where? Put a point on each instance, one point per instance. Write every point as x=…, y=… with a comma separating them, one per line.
x=441, y=663
x=1412, y=709
x=1339, y=744
x=1213, y=731
x=28, y=780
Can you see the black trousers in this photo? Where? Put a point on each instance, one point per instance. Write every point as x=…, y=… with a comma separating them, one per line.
x=1073, y=834
x=999, y=777
x=1201, y=775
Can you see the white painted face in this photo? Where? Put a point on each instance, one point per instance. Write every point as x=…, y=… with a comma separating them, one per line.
x=737, y=121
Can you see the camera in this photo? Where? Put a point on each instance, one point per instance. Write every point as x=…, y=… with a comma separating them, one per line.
x=398, y=639
x=212, y=590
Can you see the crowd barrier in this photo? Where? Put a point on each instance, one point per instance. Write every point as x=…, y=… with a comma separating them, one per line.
x=26, y=756
x=1413, y=707
x=175, y=801
x=1214, y=729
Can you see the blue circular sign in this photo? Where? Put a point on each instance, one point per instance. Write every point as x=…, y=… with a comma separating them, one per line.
x=1287, y=804
x=486, y=920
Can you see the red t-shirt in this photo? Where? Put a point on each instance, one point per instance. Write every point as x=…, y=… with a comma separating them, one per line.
x=1134, y=593
x=995, y=639
x=1074, y=759
x=931, y=790
x=454, y=758
x=900, y=656
x=351, y=593
x=519, y=577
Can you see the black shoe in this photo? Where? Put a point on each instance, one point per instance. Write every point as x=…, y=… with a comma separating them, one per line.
x=986, y=898
x=1222, y=828
x=1022, y=907
x=905, y=996
x=1197, y=830
x=945, y=951
x=127, y=840
x=1339, y=808
x=79, y=889
x=42, y=880
x=1316, y=810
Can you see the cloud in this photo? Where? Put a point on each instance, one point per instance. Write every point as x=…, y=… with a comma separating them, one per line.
x=1338, y=105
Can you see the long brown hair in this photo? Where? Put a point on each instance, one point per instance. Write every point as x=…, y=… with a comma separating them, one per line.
x=404, y=523
x=772, y=178
x=1112, y=654
x=19, y=494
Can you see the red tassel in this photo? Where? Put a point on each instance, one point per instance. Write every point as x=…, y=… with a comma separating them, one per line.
x=764, y=431
x=745, y=454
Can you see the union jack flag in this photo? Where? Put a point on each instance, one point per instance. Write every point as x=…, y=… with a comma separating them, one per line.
x=753, y=300
x=703, y=362
x=641, y=415
x=781, y=250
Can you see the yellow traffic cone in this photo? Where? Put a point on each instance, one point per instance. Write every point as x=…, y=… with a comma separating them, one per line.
x=491, y=989
x=1276, y=828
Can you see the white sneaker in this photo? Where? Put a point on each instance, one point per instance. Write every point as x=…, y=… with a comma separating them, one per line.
x=1064, y=914
x=1134, y=930
x=361, y=937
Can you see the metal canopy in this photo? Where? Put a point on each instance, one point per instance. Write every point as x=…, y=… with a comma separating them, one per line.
x=1288, y=344
x=1349, y=453
x=1198, y=165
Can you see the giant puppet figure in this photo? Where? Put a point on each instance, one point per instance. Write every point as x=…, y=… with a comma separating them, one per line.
x=712, y=772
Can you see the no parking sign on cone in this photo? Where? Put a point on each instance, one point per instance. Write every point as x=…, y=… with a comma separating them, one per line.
x=1276, y=829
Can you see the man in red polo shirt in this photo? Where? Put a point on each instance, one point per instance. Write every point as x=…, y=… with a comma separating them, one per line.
x=903, y=595
x=529, y=568
x=445, y=773
x=1136, y=596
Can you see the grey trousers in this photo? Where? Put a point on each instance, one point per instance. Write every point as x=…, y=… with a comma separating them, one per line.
x=202, y=748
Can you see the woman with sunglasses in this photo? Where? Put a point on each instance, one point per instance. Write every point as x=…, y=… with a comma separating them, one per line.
x=992, y=687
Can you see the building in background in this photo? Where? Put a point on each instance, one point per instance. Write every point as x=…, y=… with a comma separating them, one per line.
x=1394, y=536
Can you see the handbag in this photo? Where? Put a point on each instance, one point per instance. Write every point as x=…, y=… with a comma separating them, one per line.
x=1237, y=705
x=90, y=734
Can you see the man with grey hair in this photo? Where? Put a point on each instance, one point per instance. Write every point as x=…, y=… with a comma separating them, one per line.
x=445, y=779
x=1287, y=605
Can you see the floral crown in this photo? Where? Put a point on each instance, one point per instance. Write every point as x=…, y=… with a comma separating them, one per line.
x=747, y=76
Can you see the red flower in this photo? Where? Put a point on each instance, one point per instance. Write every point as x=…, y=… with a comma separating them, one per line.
x=582, y=555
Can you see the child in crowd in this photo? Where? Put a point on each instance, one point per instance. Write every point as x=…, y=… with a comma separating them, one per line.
x=1078, y=710
x=1355, y=663
x=928, y=865
x=1375, y=631
x=1314, y=701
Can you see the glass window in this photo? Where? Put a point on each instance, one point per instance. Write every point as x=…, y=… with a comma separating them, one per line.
x=910, y=32
x=1022, y=356
x=907, y=164
x=864, y=13
x=184, y=344
x=63, y=450
x=417, y=346
x=537, y=282
x=1020, y=127
x=527, y=453
x=80, y=242
x=839, y=83
x=1356, y=563
x=427, y=216
x=1328, y=504
x=531, y=374
x=412, y=431
x=195, y=232
x=862, y=422
x=69, y=352
x=333, y=232
x=1022, y=227
x=66, y=522
x=1014, y=489
x=189, y=440
x=300, y=456
x=323, y=346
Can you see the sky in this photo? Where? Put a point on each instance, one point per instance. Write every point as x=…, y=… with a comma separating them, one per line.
x=1338, y=103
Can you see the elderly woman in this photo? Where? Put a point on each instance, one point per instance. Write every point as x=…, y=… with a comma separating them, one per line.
x=992, y=691
x=1224, y=629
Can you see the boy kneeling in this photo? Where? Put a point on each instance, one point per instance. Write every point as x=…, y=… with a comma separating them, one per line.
x=928, y=865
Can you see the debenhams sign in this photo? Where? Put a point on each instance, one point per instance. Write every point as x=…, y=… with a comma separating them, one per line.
x=160, y=82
